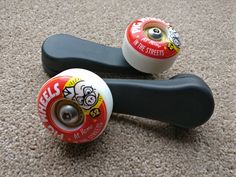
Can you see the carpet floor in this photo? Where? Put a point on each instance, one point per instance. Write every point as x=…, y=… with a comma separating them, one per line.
x=129, y=146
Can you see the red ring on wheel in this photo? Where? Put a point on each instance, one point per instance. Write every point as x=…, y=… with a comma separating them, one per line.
x=49, y=95
x=137, y=38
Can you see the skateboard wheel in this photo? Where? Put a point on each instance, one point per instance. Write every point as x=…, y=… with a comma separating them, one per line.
x=75, y=105
x=150, y=45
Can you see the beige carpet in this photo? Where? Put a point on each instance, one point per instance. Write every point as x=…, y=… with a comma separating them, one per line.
x=129, y=146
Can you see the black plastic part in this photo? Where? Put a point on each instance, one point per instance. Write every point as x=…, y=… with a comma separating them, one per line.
x=62, y=51
x=184, y=100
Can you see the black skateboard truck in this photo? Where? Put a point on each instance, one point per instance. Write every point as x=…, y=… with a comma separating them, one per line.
x=76, y=104
x=62, y=51
x=157, y=99
x=184, y=100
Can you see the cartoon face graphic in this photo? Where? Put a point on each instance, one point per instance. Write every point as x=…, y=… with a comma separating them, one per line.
x=85, y=95
x=174, y=37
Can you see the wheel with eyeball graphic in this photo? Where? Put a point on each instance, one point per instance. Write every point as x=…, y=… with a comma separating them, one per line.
x=75, y=106
x=150, y=45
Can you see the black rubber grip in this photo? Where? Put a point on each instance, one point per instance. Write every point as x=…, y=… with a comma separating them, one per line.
x=184, y=100
x=62, y=51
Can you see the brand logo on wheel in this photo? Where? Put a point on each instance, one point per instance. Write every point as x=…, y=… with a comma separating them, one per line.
x=80, y=93
x=153, y=38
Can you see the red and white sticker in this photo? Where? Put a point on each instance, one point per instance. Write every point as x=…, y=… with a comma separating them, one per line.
x=83, y=94
x=167, y=47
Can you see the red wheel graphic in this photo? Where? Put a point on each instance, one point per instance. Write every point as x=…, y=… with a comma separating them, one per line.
x=75, y=105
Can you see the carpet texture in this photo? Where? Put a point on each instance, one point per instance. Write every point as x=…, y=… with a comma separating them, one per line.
x=129, y=146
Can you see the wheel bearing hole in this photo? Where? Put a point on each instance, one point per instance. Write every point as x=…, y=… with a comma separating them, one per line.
x=69, y=113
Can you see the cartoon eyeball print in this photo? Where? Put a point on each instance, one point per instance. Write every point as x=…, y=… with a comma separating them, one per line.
x=86, y=96
x=174, y=37
x=150, y=45
x=75, y=105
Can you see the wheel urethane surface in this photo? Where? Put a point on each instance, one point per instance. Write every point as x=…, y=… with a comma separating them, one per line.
x=150, y=45
x=75, y=105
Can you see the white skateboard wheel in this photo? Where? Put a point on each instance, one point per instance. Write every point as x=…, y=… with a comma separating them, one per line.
x=75, y=105
x=150, y=45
